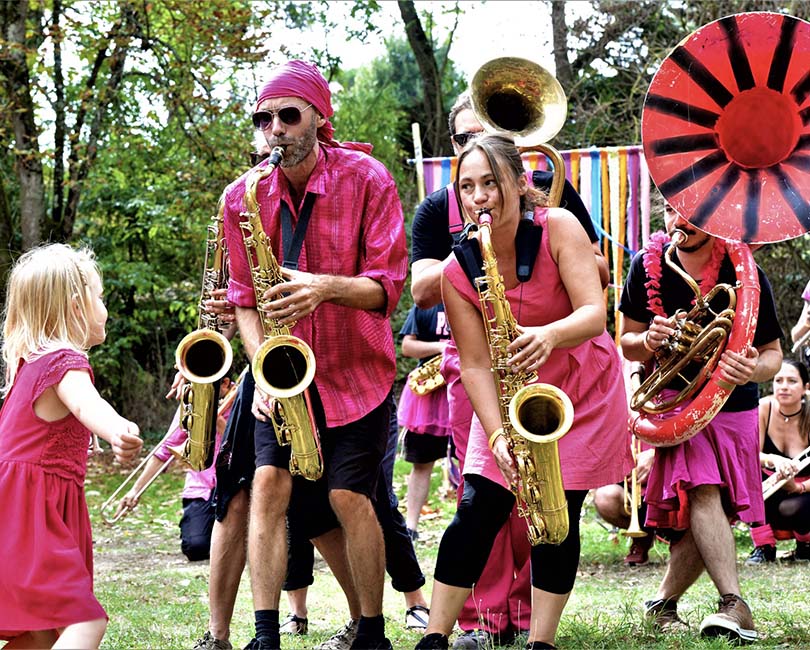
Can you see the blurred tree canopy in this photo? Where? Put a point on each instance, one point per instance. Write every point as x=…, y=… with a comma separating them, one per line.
x=123, y=121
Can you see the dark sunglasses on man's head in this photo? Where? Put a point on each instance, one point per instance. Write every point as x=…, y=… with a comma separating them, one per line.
x=290, y=115
x=461, y=139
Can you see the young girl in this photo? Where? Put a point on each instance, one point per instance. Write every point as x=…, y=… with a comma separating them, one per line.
x=54, y=314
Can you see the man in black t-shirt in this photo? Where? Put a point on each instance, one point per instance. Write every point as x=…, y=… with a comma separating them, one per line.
x=716, y=472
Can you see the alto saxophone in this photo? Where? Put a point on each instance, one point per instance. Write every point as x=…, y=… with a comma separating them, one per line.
x=426, y=378
x=534, y=416
x=284, y=365
x=204, y=356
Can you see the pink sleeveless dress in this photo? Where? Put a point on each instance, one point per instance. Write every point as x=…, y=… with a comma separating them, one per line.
x=46, y=568
x=596, y=451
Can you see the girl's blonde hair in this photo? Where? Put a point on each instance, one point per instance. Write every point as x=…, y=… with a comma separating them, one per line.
x=48, y=303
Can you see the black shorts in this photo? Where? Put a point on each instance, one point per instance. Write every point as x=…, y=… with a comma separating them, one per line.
x=195, y=528
x=424, y=448
x=235, y=462
x=352, y=456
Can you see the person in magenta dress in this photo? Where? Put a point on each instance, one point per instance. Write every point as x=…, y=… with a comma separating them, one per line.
x=54, y=314
x=561, y=319
x=425, y=417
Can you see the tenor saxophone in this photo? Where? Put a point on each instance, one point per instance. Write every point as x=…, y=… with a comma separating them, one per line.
x=284, y=365
x=204, y=356
x=426, y=378
x=534, y=416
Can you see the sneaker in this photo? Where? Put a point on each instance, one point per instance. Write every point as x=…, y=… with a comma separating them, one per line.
x=761, y=555
x=473, y=640
x=416, y=617
x=342, y=639
x=364, y=643
x=733, y=620
x=540, y=645
x=209, y=642
x=294, y=625
x=413, y=534
x=664, y=615
x=639, y=551
x=433, y=641
x=802, y=552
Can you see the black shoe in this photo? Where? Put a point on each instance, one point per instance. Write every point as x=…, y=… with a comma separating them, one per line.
x=802, y=552
x=260, y=643
x=433, y=641
x=540, y=645
x=761, y=555
x=365, y=643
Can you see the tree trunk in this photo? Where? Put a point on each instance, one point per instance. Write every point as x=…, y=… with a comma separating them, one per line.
x=435, y=129
x=559, y=31
x=28, y=164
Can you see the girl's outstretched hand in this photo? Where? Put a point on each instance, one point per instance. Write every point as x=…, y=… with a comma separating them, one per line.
x=126, y=446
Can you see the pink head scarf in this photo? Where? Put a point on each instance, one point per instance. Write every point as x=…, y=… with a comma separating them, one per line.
x=299, y=79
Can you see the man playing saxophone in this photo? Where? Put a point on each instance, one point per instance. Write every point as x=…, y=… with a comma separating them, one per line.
x=334, y=221
x=559, y=318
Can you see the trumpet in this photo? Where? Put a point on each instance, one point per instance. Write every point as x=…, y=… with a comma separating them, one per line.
x=632, y=500
x=177, y=452
x=773, y=483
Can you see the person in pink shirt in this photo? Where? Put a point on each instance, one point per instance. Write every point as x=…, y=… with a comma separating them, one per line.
x=198, y=507
x=344, y=262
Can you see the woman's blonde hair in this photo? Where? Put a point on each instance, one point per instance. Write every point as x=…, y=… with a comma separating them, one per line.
x=48, y=303
x=505, y=161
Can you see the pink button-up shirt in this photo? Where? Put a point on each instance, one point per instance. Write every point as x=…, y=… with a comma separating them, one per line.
x=356, y=229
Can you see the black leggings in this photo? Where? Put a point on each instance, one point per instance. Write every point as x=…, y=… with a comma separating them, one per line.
x=483, y=510
x=785, y=511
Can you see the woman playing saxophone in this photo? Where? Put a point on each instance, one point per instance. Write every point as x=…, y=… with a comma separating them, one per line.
x=559, y=316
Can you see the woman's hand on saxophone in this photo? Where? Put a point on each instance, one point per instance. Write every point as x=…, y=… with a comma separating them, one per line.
x=506, y=463
x=531, y=348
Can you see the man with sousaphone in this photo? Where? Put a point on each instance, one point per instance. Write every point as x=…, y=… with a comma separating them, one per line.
x=698, y=306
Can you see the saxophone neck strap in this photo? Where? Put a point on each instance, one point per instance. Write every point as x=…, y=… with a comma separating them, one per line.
x=293, y=240
x=527, y=246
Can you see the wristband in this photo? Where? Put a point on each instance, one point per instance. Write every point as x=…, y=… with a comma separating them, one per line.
x=647, y=346
x=495, y=435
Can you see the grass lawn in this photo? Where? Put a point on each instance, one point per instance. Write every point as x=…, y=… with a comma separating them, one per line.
x=157, y=599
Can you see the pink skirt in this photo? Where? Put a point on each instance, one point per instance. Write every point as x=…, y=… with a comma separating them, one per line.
x=725, y=453
x=427, y=414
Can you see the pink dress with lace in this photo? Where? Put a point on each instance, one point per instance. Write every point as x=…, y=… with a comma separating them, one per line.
x=46, y=568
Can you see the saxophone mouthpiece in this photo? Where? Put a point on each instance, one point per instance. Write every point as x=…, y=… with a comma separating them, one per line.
x=484, y=216
x=679, y=238
x=276, y=155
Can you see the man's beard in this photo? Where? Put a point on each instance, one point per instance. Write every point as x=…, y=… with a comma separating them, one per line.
x=297, y=149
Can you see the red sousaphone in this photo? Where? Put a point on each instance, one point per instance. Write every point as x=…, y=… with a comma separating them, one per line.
x=726, y=136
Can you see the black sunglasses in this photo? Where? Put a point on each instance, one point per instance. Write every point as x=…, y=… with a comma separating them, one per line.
x=290, y=115
x=461, y=139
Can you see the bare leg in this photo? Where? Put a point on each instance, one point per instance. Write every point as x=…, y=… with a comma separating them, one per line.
x=547, y=609
x=445, y=604
x=87, y=634
x=713, y=538
x=415, y=598
x=684, y=568
x=609, y=503
x=297, y=599
x=228, y=557
x=267, y=535
x=364, y=547
x=418, y=489
x=332, y=547
x=31, y=640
